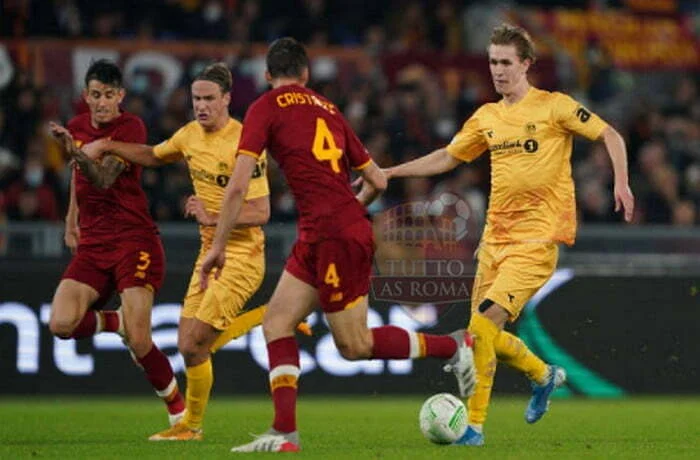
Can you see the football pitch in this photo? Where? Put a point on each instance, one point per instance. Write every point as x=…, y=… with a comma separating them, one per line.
x=350, y=427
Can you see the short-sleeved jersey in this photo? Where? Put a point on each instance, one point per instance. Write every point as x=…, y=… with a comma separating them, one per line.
x=122, y=209
x=532, y=192
x=210, y=157
x=315, y=148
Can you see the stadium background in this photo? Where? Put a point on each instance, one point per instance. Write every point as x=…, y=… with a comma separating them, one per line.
x=620, y=313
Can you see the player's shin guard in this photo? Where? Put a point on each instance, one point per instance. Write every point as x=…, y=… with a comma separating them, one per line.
x=513, y=352
x=158, y=371
x=391, y=342
x=283, y=355
x=241, y=325
x=484, y=332
x=199, y=382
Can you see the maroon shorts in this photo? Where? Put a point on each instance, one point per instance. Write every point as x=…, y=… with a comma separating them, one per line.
x=133, y=262
x=339, y=267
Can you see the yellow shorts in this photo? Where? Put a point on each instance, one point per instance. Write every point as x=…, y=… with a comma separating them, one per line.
x=226, y=297
x=510, y=274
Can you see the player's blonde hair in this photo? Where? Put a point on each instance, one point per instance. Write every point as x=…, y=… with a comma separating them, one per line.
x=218, y=73
x=507, y=34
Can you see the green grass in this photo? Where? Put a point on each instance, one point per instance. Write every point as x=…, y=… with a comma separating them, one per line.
x=353, y=428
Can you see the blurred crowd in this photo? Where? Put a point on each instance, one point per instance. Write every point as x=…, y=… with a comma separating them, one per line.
x=414, y=114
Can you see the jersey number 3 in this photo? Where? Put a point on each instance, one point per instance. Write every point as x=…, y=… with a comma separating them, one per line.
x=324, y=148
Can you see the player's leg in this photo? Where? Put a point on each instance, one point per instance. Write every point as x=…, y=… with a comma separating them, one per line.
x=531, y=266
x=137, y=303
x=247, y=321
x=139, y=273
x=240, y=326
x=510, y=349
x=355, y=340
x=84, y=284
x=507, y=277
x=69, y=307
x=292, y=301
x=343, y=275
x=485, y=329
x=194, y=341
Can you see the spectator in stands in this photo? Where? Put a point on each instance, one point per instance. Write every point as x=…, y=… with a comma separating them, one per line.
x=33, y=195
x=397, y=115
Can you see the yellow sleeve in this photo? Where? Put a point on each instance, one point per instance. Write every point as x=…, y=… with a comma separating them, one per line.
x=258, y=183
x=574, y=117
x=469, y=143
x=171, y=149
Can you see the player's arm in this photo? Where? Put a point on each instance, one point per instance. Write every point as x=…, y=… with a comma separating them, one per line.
x=101, y=174
x=437, y=162
x=374, y=183
x=234, y=198
x=467, y=145
x=139, y=154
x=250, y=147
x=72, y=232
x=255, y=212
x=615, y=145
x=575, y=118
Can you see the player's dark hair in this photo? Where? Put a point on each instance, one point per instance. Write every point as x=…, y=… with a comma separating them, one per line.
x=217, y=73
x=104, y=71
x=507, y=34
x=286, y=57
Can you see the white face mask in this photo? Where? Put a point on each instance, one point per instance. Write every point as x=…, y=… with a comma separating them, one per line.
x=34, y=177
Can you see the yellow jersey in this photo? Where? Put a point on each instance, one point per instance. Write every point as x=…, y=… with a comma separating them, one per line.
x=532, y=191
x=210, y=157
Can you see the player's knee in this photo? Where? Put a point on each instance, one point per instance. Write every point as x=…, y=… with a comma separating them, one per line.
x=62, y=326
x=354, y=349
x=140, y=341
x=192, y=350
x=277, y=326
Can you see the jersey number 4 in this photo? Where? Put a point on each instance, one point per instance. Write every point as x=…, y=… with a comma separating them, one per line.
x=324, y=148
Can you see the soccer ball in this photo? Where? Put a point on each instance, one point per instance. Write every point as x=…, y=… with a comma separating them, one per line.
x=443, y=418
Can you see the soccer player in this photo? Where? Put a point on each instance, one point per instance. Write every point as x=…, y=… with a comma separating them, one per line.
x=331, y=261
x=209, y=319
x=116, y=242
x=529, y=133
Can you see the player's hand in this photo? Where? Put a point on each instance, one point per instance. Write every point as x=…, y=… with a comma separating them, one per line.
x=95, y=149
x=63, y=136
x=215, y=259
x=361, y=181
x=194, y=207
x=71, y=238
x=624, y=200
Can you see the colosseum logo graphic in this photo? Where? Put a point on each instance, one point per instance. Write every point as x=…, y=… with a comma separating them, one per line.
x=424, y=252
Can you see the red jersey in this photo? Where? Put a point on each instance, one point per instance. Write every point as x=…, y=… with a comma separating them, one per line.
x=122, y=209
x=315, y=148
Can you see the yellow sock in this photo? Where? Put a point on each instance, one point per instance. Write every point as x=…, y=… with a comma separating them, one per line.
x=240, y=326
x=199, y=381
x=485, y=332
x=513, y=352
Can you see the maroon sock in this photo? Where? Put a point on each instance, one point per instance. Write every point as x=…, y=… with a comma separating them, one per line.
x=439, y=346
x=86, y=327
x=111, y=321
x=283, y=355
x=391, y=342
x=160, y=374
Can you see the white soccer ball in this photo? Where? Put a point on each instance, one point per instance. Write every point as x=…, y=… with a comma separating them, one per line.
x=443, y=418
